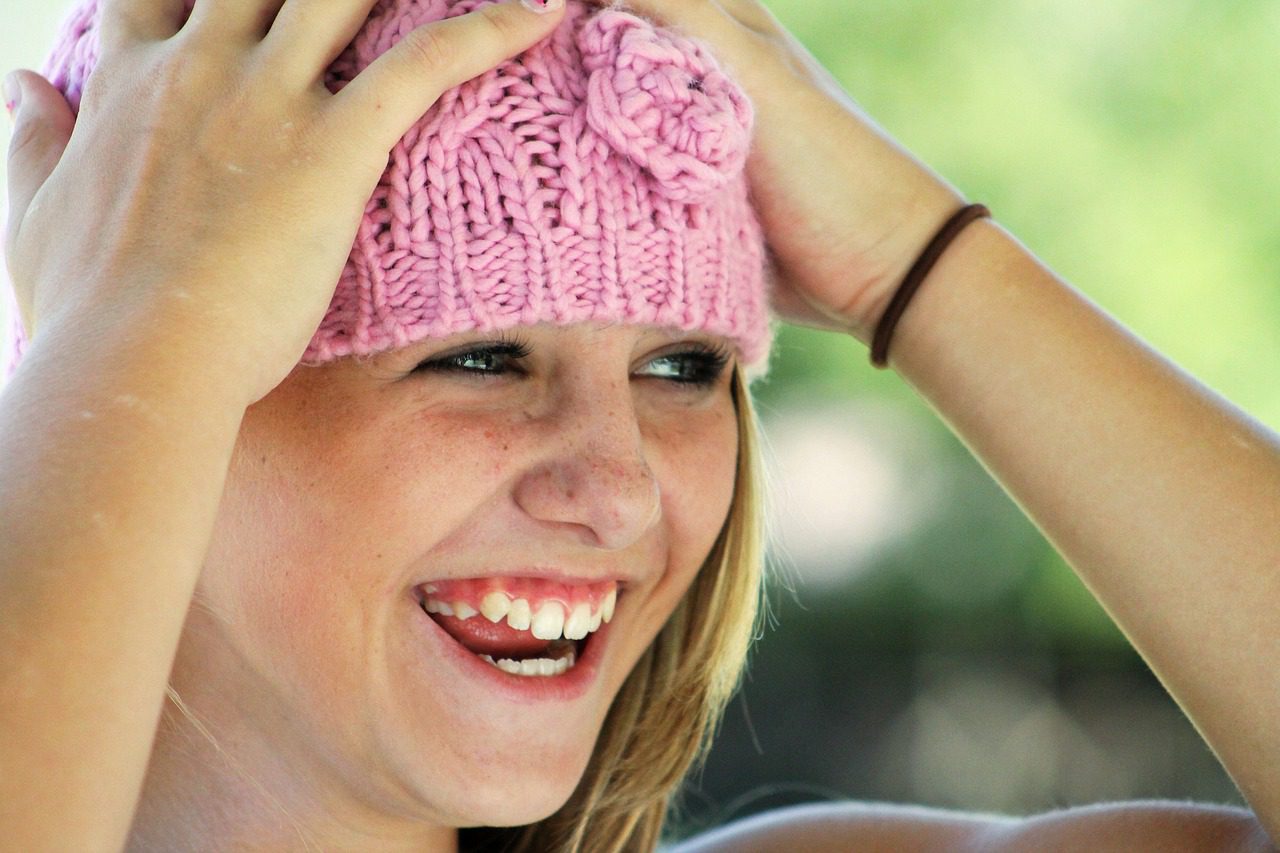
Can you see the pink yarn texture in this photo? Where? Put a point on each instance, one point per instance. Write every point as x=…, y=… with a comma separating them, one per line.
x=598, y=176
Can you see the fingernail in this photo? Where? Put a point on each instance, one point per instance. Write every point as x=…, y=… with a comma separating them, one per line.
x=12, y=93
x=542, y=5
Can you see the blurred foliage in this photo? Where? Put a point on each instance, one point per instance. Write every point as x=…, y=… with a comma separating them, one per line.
x=1131, y=147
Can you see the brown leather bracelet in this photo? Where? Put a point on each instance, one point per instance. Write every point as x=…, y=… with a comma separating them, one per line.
x=910, y=284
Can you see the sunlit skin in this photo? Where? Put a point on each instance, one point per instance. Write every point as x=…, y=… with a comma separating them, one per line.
x=352, y=483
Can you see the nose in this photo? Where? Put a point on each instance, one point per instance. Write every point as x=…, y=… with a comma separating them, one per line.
x=595, y=474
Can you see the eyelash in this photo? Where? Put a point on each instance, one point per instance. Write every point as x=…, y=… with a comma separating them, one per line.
x=704, y=363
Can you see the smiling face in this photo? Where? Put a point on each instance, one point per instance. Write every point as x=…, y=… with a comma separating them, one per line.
x=356, y=483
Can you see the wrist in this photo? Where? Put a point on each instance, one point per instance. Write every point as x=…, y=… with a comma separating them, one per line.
x=953, y=309
x=150, y=348
x=892, y=205
x=910, y=221
x=920, y=269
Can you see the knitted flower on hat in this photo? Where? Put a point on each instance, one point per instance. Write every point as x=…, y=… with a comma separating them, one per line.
x=597, y=176
x=662, y=101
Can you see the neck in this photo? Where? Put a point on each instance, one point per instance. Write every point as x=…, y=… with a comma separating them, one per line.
x=218, y=784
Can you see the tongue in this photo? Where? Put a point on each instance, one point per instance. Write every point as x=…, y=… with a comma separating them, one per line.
x=496, y=639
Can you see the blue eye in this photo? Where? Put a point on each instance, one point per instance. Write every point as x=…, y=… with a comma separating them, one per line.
x=699, y=366
x=485, y=361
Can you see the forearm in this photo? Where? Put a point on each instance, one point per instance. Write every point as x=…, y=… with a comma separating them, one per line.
x=112, y=462
x=1161, y=495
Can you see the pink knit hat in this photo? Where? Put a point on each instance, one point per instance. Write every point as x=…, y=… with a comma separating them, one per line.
x=598, y=176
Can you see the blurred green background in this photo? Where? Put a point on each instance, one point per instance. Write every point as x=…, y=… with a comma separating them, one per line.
x=926, y=644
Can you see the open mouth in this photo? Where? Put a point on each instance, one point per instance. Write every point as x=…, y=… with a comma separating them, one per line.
x=523, y=627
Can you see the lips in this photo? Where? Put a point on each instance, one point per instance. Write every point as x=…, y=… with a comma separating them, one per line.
x=521, y=689
x=510, y=621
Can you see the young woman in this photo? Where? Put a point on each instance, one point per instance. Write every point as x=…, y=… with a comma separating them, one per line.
x=498, y=568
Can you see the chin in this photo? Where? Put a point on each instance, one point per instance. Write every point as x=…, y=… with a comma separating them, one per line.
x=518, y=796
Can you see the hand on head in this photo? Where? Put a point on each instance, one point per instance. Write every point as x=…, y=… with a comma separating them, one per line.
x=845, y=210
x=212, y=178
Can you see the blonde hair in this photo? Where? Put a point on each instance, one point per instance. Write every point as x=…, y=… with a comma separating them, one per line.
x=665, y=717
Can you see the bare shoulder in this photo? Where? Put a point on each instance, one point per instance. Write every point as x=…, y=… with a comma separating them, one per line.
x=838, y=826
x=843, y=826
x=1158, y=824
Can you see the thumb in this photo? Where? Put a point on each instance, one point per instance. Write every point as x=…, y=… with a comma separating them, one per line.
x=43, y=122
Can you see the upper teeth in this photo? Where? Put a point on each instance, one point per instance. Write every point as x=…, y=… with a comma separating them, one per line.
x=548, y=622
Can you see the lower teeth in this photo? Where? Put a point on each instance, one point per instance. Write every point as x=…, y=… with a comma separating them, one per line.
x=534, y=666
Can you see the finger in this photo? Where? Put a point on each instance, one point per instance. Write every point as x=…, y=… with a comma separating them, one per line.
x=305, y=40
x=123, y=23
x=398, y=87
x=239, y=20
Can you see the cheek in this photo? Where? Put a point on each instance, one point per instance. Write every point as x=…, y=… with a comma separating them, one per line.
x=290, y=560
x=328, y=526
x=699, y=462
x=698, y=470
x=397, y=488
x=456, y=446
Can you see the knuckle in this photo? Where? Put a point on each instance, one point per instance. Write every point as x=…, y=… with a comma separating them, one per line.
x=177, y=75
x=197, y=98
x=499, y=21
x=429, y=48
x=112, y=73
